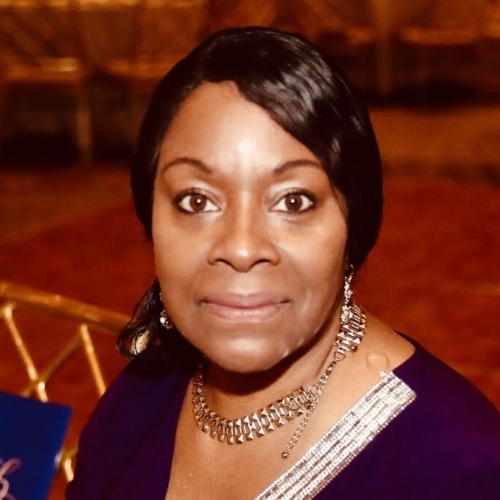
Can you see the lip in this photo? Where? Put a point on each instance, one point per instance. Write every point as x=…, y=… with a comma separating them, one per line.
x=244, y=307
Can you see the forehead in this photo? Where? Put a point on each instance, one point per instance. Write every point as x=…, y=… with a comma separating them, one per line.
x=218, y=124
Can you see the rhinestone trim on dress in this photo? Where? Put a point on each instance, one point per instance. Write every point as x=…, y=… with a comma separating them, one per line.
x=343, y=442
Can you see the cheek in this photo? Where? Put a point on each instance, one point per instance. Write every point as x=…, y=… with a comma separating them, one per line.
x=175, y=251
x=322, y=275
x=171, y=259
x=321, y=259
x=175, y=264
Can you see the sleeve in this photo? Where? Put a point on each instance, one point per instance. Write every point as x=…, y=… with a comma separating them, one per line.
x=124, y=423
x=480, y=484
x=102, y=441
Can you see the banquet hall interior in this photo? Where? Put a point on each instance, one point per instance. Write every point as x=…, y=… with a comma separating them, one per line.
x=75, y=77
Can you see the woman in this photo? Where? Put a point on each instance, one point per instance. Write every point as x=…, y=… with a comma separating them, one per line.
x=254, y=373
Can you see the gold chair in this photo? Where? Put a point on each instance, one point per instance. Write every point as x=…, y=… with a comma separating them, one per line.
x=42, y=55
x=161, y=33
x=49, y=344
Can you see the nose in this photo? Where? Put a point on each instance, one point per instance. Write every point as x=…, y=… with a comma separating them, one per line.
x=244, y=240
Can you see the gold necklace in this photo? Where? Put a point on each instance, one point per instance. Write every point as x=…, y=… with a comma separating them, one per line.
x=299, y=402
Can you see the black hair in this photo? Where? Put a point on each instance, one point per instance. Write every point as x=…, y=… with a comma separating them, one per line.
x=303, y=92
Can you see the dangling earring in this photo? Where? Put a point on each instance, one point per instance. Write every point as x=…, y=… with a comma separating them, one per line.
x=352, y=320
x=347, y=285
x=165, y=319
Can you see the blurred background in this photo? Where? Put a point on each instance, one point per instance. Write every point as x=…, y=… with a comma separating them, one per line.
x=75, y=74
x=75, y=77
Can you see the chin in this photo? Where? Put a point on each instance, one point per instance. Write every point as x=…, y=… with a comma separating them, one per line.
x=246, y=361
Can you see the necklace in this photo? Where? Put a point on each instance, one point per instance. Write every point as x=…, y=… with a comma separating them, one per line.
x=300, y=402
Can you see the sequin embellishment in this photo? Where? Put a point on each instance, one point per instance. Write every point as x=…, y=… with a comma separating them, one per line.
x=343, y=442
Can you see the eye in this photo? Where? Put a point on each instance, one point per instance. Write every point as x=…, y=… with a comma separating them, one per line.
x=195, y=203
x=295, y=202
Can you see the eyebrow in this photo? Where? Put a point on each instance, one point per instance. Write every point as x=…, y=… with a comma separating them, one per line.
x=303, y=162
x=281, y=168
x=190, y=161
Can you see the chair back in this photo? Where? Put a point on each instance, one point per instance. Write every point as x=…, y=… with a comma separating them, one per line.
x=41, y=33
x=50, y=343
x=166, y=30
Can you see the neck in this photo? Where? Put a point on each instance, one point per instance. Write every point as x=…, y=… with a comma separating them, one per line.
x=233, y=394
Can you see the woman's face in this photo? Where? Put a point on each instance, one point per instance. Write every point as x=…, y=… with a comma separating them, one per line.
x=249, y=237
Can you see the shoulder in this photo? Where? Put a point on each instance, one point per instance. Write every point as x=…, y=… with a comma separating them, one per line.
x=454, y=429
x=445, y=443
x=443, y=395
x=132, y=389
x=129, y=410
x=130, y=398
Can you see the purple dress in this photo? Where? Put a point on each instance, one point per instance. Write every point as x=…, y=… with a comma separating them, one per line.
x=423, y=433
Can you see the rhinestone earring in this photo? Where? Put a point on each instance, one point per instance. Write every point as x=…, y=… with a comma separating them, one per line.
x=165, y=319
x=352, y=320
